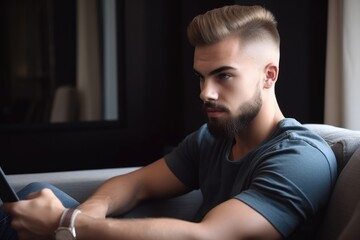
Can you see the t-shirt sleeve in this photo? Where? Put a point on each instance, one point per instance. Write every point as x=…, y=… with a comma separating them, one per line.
x=289, y=186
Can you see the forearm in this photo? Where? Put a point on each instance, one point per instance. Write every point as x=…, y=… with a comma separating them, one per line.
x=121, y=193
x=113, y=197
x=137, y=229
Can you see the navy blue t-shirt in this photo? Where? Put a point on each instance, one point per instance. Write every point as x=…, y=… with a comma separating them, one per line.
x=287, y=179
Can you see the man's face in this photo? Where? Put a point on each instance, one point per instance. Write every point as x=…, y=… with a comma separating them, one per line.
x=230, y=84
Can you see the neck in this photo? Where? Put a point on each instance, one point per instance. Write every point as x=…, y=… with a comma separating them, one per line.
x=257, y=132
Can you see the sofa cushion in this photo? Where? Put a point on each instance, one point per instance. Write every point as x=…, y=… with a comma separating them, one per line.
x=352, y=230
x=78, y=184
x=344, y=200
x=343, y=142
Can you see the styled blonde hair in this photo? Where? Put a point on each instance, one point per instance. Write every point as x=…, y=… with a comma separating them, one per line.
x=250, y=23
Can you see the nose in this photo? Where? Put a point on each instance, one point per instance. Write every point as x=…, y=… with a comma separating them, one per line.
x=208, y=91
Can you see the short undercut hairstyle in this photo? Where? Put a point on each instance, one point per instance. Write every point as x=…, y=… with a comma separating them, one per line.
x=250, y=23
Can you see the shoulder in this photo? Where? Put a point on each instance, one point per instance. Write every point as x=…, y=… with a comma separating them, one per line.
x=298, y=145
x=293, y=134
x=294, y=172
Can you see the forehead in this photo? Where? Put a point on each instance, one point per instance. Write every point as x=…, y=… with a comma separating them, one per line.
x=228, y=52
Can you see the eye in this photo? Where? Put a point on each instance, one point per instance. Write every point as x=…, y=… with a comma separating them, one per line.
x=223, y=76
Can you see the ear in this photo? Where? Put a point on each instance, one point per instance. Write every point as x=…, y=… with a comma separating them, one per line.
x=271, y=74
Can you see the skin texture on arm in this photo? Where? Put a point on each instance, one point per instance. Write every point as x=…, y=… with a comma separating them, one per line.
x=230, y=220
x=122, y=193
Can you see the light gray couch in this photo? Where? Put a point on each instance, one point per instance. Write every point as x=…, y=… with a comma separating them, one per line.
x=342, y=219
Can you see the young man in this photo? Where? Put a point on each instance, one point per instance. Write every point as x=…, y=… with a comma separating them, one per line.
x=262, y=176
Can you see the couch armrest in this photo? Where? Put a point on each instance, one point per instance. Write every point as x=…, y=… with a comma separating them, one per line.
x=78, y=184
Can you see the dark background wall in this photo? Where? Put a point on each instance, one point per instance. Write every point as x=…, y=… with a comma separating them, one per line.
x=160, y=93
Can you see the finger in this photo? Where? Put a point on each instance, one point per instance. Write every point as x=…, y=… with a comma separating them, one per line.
x=45, y=191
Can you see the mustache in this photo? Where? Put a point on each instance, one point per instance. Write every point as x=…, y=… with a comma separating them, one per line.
x=215, y=106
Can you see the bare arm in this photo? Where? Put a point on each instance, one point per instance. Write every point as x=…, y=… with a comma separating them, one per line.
x=230, y=220
x=38, y=217
x=122, y=193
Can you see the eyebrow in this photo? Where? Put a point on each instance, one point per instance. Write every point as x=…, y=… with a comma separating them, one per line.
x=215, y=71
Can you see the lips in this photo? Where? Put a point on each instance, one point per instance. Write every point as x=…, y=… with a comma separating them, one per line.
x=213, y=109
x=213, y=112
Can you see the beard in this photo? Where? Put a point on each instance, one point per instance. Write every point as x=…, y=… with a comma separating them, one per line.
x=232, y=126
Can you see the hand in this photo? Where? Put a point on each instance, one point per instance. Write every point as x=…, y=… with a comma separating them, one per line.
x=37, y=217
